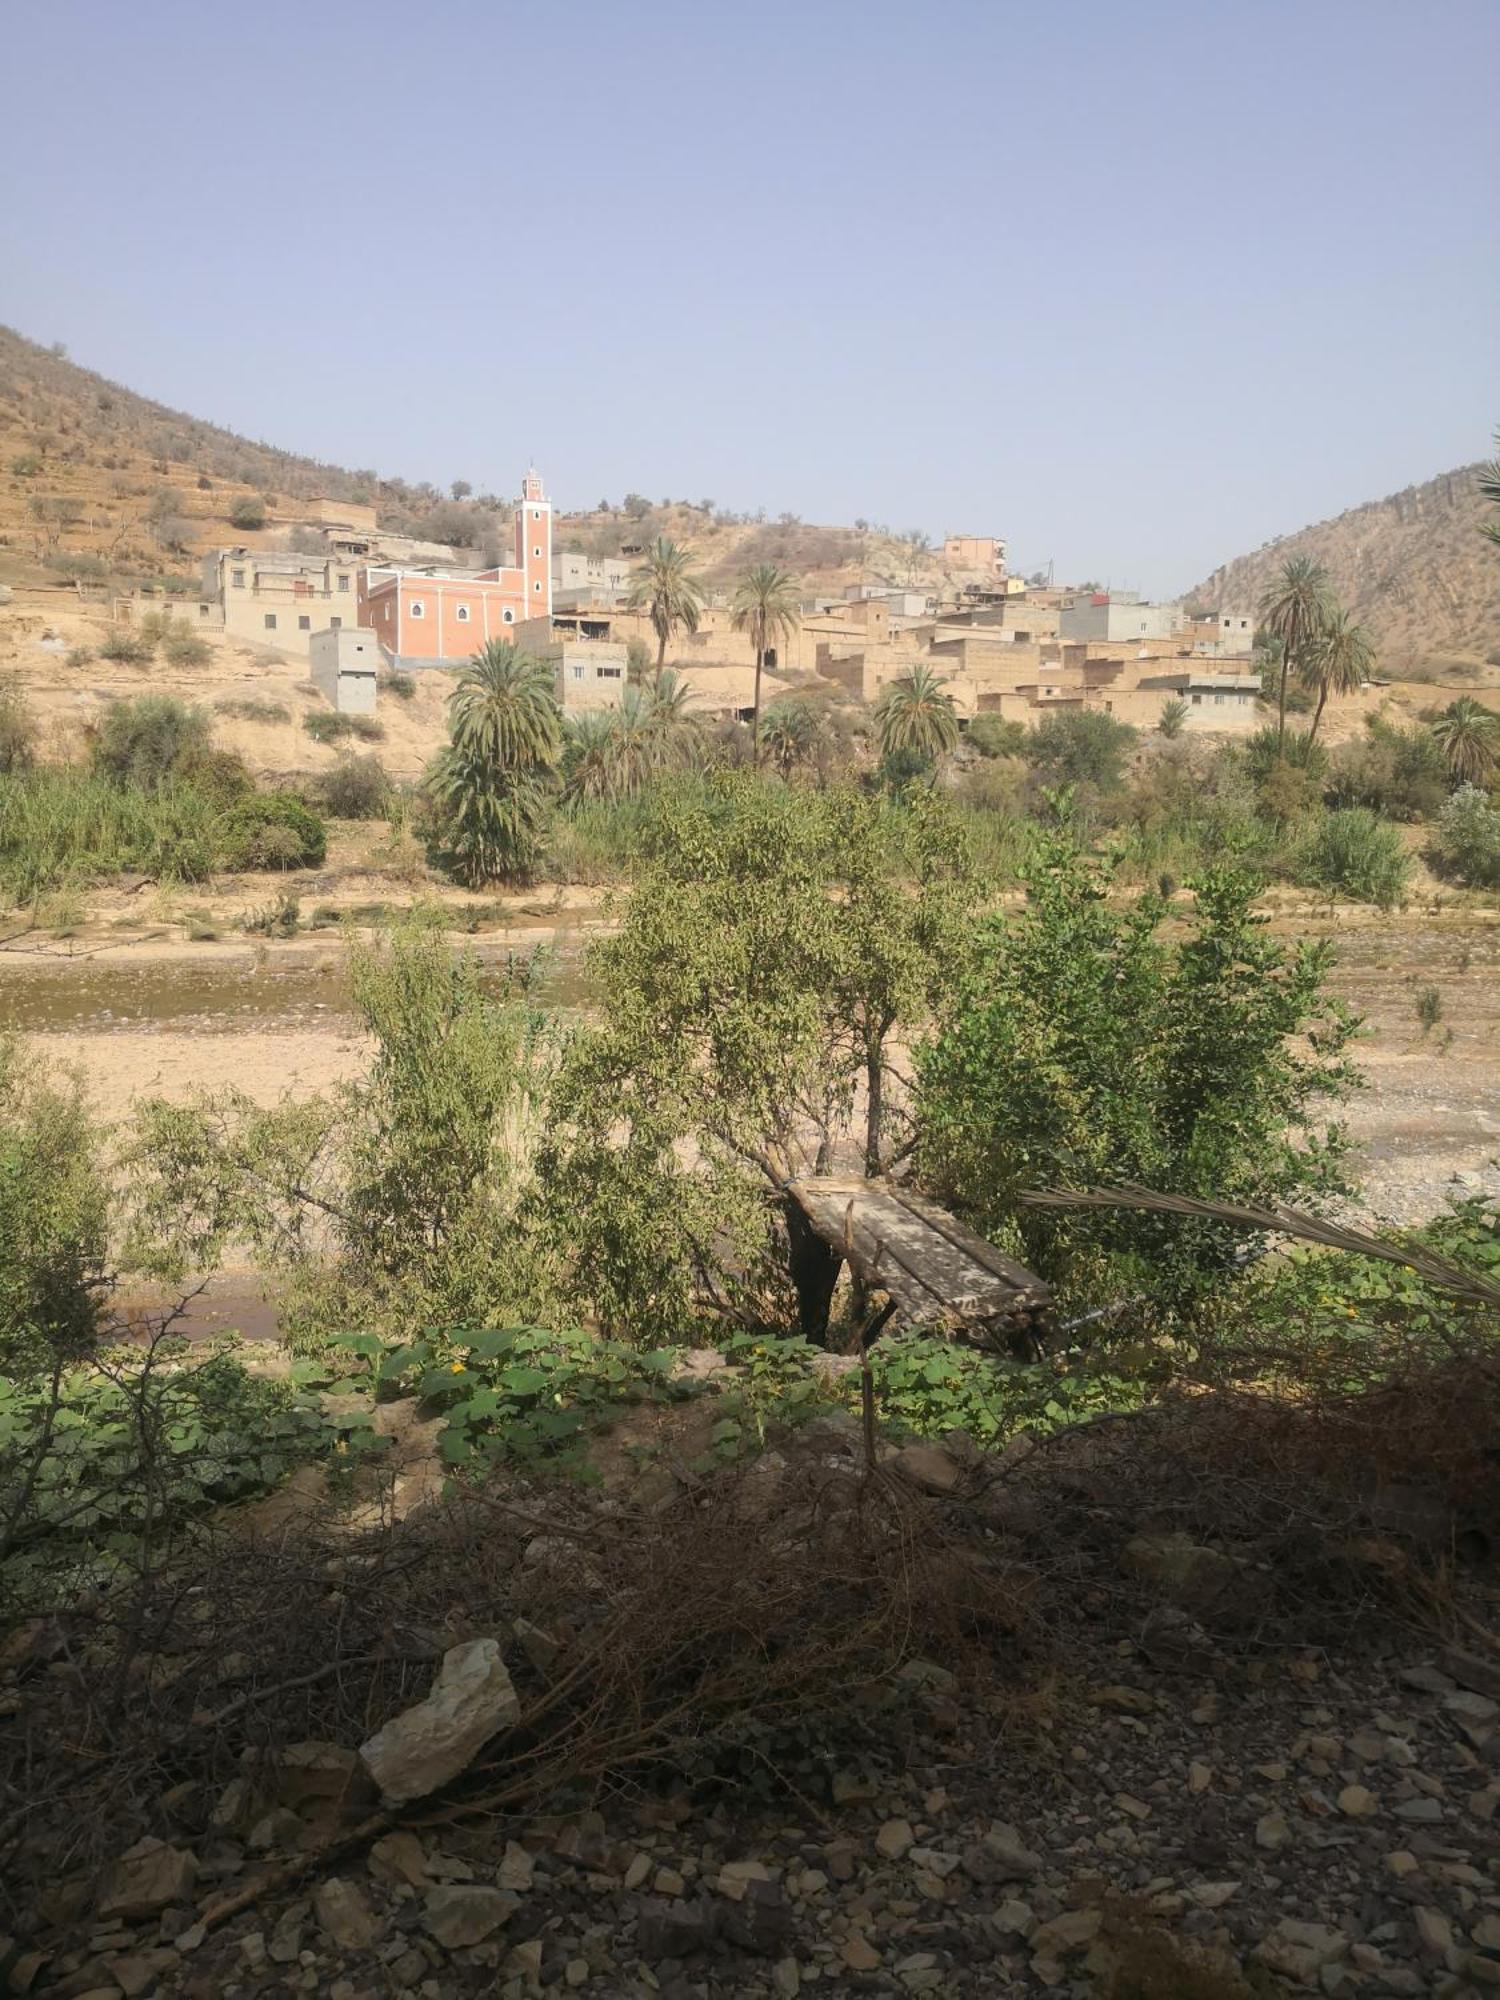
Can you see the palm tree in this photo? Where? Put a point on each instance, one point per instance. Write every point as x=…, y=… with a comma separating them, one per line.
x=1173, y=718
x=1489, y=486
x=765, y=606
x=1338, y=663
x=916, y=713
x=1295, y=609
x=676, y=733
x=1468, y=734
x=791, y=733
x=667, y=586
x=588, y=764
x=491, y=815
x=504, y=711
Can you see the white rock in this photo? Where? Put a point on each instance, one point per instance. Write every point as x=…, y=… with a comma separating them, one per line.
x=341, y=1909
x=424, y=1747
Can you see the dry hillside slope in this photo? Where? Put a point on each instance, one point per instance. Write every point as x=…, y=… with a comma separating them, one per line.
x=1413, y=567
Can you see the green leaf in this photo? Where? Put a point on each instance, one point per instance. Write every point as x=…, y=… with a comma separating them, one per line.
x=524, y=1381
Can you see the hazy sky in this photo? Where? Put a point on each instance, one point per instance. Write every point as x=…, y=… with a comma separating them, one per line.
x=1136, y=283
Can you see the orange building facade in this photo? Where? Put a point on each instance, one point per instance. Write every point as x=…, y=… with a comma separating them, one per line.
x=426, y=619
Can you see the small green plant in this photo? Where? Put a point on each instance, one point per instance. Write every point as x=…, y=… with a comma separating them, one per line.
x=185, y=648
x=1467, y=843
x=26, y=465
x=992, y=737
x=202, y=927
x=356, y=788
x=1173, y=718
x=1428, y=1008
x=401, y=686
x=17, y=728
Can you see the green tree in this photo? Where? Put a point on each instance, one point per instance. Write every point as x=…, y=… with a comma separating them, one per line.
x=53, y=1218
x=1085, y=1048
x=1295, y=610
x=588, y=763
x=150, y=741
x=1468, y=839
x=1337, y=662
x=1089, y=748
x=1468, y=734
x=489, y=788
x=667, y=586
x=777, y=948
x=915, y=712
x=504, y=709
x=392, y=1202
x=765, y=606
x=790, y=733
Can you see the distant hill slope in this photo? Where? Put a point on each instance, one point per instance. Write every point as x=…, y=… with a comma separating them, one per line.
x=1413, y=568
x=100, y=483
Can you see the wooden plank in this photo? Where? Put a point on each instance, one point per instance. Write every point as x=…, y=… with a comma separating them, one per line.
x=917, y=1252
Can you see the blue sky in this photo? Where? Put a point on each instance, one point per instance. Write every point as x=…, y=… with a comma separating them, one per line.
x=1136, y=285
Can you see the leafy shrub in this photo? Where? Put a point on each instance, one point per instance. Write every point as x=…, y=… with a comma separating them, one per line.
x=79, y=656
x=53, y=1210
x=26, y=465
x=992, y=737
x=402, y=685
x=78, y=566
x=272, y=831
x=1089, y=748
x=1357, y=854
x=147, y=741
x=253, y=709
x=281, y=918
x=127, y=648
x=1467, y=845
x=326, y=725
x=61, y=824
x=1398, y=772
x=17, y=728
x=1083, y=1049
x=249, y=511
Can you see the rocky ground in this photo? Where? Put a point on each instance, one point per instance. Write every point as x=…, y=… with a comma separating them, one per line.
x=1194, y=1787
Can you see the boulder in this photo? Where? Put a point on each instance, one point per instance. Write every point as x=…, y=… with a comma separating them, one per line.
x=146, y=1878
x=345, y=1914
x=424, y=1747
x=466, y=1913
x=929, y=1467
x=1184, y=1571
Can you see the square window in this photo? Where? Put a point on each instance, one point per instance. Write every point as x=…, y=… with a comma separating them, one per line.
x=270, y=621
x=578, y=673
x=304, y=624
x=343, y=583
x=334, y=624
x=237, y=578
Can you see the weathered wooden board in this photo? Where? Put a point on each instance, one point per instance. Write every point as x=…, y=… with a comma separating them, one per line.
x=932, y=1266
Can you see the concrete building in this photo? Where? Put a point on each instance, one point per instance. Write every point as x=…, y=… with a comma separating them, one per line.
x=587, y=673
x=272, y=597
x=344, y=665
x=1216, y=702
x=1116, y=615
x=580, y=579
x=1226, y=635
x=985, y=553
x=426, y=619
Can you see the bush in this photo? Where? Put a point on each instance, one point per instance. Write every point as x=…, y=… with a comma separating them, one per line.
x=17, y=729
x=1467, y=845
x=1089, y=748
x=1355, y=853
x=53, y=1234
x=403, y=686
x=326, y=725
x=356, y=788
x=993, y=738
x=249, y=511
x=1084, y=1049
x=26, y=464
x=1400, y=773
x=128, y=649
x=59, y=824
x=147, y=741
x=273, y=831
x=184, y=647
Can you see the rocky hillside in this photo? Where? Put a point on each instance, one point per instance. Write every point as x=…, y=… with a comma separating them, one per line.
x=1413, y=567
